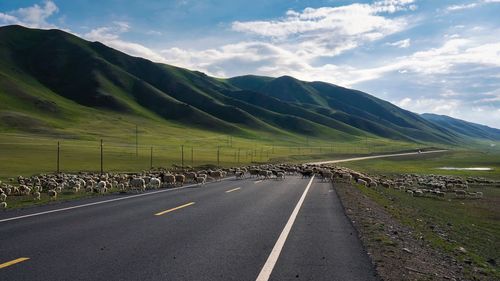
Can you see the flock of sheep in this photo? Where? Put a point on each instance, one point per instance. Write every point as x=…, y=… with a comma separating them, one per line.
x=54, y=184
x=416, y=185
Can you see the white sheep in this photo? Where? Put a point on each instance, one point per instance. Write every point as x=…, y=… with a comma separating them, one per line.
x=200, y=179
x=154, y=183
x=3, y=197
x=52, y=194
x=36, y=195
x=180, y=179
x=138, y=184
x=3, y=205
x=217, y=175
x=239, y=174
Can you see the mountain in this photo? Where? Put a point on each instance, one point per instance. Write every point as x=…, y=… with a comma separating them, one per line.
x=462, y=127
x=50, y=79
x=350, y=107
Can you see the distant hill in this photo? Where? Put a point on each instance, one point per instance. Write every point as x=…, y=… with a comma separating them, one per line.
x=464, y=128
x=50, y=76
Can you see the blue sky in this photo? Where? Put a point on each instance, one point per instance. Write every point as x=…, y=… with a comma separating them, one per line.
x=423, y=55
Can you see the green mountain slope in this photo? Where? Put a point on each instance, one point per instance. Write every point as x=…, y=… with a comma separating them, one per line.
x=462, y=127
x=50, y=79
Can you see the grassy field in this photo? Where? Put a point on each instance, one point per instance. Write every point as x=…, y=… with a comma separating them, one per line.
x=448, y=223
x=429, y=164
x=28, y=154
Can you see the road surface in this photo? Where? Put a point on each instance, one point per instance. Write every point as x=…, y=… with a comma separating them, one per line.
x=249, y=229
x=376, y=156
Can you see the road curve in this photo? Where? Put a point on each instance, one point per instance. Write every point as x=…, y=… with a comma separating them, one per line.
x=374, y=157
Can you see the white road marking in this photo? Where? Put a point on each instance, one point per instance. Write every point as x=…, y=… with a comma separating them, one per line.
x=374, y=156
x=98, y=203
x=268, y=267
x=257, y=181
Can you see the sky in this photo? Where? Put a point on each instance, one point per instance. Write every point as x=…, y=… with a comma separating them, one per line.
x=431, y=56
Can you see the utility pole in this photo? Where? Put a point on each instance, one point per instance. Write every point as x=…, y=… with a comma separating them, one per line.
x=182, y=156
x=101, y=159
x=151, y=159
x=218, y=156
x=366, y=143
x=58, y=156
x=136, y=141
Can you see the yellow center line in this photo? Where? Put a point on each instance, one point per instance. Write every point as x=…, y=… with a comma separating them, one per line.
x=234, y=189
x=173, y=209
x=12, y=262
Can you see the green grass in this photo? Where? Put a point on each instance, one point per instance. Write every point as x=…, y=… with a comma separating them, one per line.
x=28, y=154
x=470, y=223
x=429, y=163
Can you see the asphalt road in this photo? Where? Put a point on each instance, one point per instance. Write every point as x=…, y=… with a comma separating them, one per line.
x=294, y=229
x=376, y=156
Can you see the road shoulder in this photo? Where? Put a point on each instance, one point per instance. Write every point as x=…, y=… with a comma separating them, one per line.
x=397, y=252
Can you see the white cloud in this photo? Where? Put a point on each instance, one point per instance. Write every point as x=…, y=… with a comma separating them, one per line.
x=329, y=31
x=110, y=35
x=401, y=44
x=462, y=7
x=431, y=105
x=471, y=5
x=34, y=16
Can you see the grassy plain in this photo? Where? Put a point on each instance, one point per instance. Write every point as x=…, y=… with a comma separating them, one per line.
x=448, y=223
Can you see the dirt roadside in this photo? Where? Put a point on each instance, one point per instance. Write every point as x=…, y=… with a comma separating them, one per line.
x=396, y=250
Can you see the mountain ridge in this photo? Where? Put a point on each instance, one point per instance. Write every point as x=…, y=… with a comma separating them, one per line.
x=50, y=71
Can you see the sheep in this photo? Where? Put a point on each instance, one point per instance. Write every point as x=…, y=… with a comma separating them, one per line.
x=154, y=183
x=191, y=177
x=362, y=182
x=280, y=176
x=201, y=180
x=3, y=205
x=3, y=197
x=36, y=195
x=460, y=193
x=138, y=184
x=306, y=173
x=418, y=193
x=239, y=174
x=102, y=187
x=8, y=190
x=265, y=174
x=326, y=175
x=90, y=185
x=24, y=190
x=179, y=179
x=52, y=194
x=217, y=175
x=168, y=180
